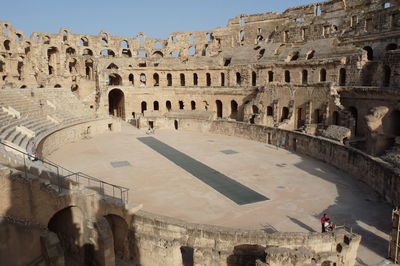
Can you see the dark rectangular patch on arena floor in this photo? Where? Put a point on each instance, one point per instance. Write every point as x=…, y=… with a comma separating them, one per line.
x=120, y=164
x=228, y=187
x=228, y=152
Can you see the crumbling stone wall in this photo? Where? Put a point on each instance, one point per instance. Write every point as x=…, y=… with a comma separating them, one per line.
x=159, y=241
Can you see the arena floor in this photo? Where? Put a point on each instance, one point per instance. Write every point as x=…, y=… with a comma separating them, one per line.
x=232, y=182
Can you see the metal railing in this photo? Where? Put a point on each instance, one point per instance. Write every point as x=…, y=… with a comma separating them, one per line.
x=62, y=177
x=345, y=227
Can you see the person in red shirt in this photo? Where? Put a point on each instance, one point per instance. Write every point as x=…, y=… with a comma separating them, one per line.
x=324, y=219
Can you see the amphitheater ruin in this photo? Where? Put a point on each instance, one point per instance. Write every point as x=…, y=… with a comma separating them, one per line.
x=214, y=147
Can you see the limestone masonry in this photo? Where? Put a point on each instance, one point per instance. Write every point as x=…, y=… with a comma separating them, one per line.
x=320, y=79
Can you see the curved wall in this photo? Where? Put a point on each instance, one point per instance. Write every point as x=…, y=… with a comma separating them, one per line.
x=379, y=175
x=76, y=132
x=159, y=240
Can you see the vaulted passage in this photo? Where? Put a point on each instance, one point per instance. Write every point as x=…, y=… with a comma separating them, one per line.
x=228, y=187
x=116, y=103
x=69, y=225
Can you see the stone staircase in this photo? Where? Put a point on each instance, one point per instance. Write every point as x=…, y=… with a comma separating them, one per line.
x=27, y=114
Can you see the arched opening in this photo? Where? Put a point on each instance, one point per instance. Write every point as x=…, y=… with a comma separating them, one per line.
x=169, y=79
x=386, y=76
x=300, y=120
x=143, y=106
x=87, y=52
x=222, y=79
x=57, y=86
x=391, y=47
x=156, y=106
x=294, y=56
x=270, y=111
x=74, y=87
x=285, y=114
x=256, y=111
x=142, y=54
x=304, y=76
x=335, y=118
x=354, y=114
x=107, y=52
x=176, y=124
x=70, y=51
x=174, y=54
x=126, y=53
x=124, y=44
x=182, y=78
x=112, y=66
x=322, y=75
x=310, y=55
x=187, y=256
x=370, y=52
x=143, y=80
x=395, y=123
x=20, y=68
x=156, y=80
x=208, y=79
x=158, y=54
x=114, y=79
x=342, y=77
x=287, y=76
x=72, y=66
x=270, y=76
x=89, y=69
x=116, y=103
x=119, y=229
x=52, y=56
x=219, y=108
x=253, y=79
x=131, y=79
x=238, y=78
x=7, y=45
x=205, y=50
x=84, y=41
x=234, y=109
x=195, y=79
x=69, y=225
x=192, y=50
x=181, y=105
x=317, y=116
x=193, y=105
x=168, y=105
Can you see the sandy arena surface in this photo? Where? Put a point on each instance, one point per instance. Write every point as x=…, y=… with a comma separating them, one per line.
x=300, y=188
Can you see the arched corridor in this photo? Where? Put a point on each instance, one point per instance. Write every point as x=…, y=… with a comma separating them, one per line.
x=218, y=104
x=69, y=225
x=116, y=103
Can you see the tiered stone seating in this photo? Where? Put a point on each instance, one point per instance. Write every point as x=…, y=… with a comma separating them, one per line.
x=35, y=106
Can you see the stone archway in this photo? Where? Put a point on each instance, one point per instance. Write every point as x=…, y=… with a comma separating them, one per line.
x=116, y=103
x=218, y=104
x=69, y=225
x=119, y=229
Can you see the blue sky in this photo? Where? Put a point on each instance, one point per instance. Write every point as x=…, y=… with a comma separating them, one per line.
x=155, y=18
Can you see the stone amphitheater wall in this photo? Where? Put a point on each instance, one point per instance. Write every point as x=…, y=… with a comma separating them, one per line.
x=159, y=241
x=77, y=132
x=31, y=204
x=376, y=173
